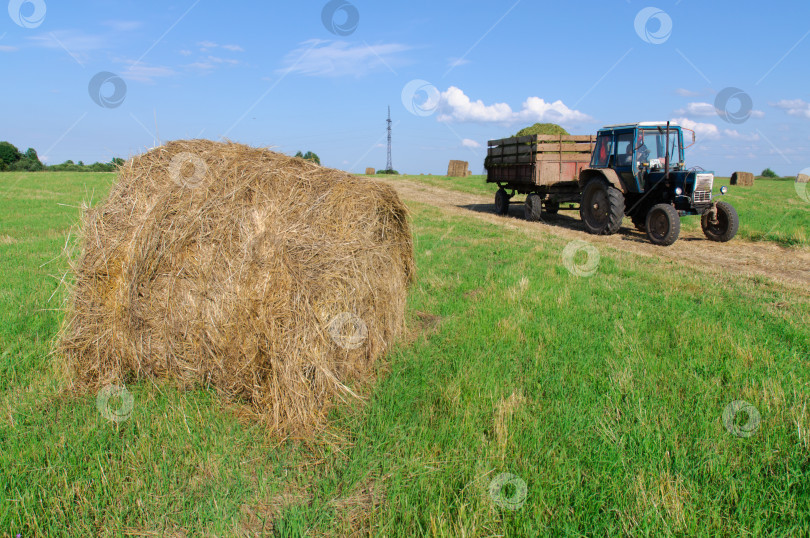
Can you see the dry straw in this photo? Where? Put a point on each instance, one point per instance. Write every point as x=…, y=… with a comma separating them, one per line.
x=457, y=168
x=275, y=280
x=742, y=179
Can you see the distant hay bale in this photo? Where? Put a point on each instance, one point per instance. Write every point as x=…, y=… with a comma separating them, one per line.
x=802, y=178
x=370, y=171
x=275, y=280
x=457, y=168
x=742, y=179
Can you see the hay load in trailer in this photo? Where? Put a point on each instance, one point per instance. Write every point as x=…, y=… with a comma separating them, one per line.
x=277, y=281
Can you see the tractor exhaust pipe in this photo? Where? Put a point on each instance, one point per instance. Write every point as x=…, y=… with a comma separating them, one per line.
x=666, y=156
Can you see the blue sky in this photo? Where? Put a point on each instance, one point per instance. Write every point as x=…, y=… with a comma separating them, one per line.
x=319, y=76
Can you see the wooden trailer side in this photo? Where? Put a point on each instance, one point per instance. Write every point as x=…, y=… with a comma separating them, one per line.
x=562, y=158
x=538, y=160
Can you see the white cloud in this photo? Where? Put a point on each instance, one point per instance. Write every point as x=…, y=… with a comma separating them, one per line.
x=686, y=93
x=318, y=58
x=733, y=133
x=469, y=143
x=73, y=41
x=7, y=48
x=455, y=62
x=707, y=110
x=702, y=130
x=147, y=73
x=209, y=61
x=202, y=65
x=794, y=107
x=456, y=106
x=697, y=109
x=711, y=131
x=142, y=72
x=535, y=109
x=206, y=45
x=218, y=60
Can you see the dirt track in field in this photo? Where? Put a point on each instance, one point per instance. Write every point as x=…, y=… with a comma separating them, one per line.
x=788, y=266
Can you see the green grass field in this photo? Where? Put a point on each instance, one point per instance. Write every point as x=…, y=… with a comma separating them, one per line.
x=603, y=395
x=771, y=210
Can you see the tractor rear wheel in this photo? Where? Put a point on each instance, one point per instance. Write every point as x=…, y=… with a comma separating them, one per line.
x=533, y=207
x=663, y=225
x=725, y=226
x=501, y=202
x=602, y=208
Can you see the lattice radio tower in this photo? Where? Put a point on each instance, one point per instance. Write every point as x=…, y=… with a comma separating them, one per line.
x=388, y=164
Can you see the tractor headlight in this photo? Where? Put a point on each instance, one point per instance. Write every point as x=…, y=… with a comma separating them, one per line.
x=678, y=191
x=723, y=189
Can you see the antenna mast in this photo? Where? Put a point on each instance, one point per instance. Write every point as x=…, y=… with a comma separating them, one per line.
x=388, y=165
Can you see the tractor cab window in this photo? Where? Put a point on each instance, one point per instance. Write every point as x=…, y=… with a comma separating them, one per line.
x=624, y=149
x=652, y=147
x=604, y=149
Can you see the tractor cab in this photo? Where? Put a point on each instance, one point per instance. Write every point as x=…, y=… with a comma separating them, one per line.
x=640, y=153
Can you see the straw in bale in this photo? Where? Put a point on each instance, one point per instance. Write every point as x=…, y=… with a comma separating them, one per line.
x=802, y=178
x=275, y=280
x=370, y=171
x=457, y=168
x=742, y=179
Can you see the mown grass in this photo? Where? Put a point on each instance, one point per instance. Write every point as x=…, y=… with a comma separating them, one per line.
x=771, y=210
x=604, y=394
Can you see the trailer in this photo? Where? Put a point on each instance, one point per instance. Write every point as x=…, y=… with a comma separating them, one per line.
x=634, y=169
x=544, y=167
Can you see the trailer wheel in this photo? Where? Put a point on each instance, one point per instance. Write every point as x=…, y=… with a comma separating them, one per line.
x=533, y=207
x=602, y=208
x=726, y=225
x=551, y=207
x=501, y=202
x=663, y=225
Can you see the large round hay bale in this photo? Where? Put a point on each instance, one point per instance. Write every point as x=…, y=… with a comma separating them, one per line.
x=742, y=179
x=275, y=280
x=802, y=178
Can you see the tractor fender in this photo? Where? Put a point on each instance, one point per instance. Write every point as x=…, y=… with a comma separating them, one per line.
x=607, y=174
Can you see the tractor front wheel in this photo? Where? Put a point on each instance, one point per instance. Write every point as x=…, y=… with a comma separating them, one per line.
x=663, y=225
x=602, y=208
x=723, y=226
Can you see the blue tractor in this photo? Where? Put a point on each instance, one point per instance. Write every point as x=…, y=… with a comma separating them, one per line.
x=639, y=170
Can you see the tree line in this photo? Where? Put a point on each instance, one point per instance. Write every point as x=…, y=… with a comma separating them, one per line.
x=13, y=160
